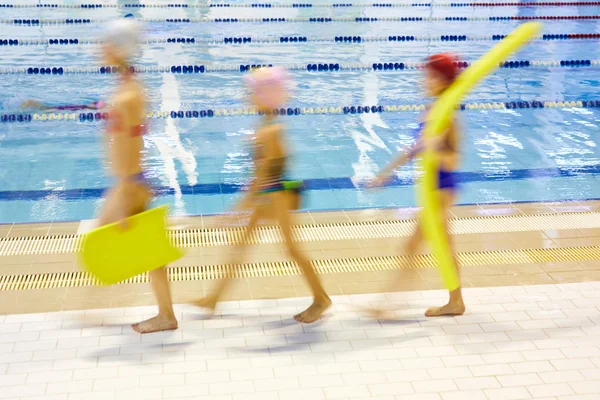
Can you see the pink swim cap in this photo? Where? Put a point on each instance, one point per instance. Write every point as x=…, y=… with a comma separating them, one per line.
x=268, y=87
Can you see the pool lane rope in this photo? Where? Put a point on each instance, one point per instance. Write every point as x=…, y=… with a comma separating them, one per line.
x=317, y=67
x=295, y=40
x=534, y=105
x=78, y=21
x=97, y=6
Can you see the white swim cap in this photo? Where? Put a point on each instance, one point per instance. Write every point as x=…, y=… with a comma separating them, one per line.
x=123, y=36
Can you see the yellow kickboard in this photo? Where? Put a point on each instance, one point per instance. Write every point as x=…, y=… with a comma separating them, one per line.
x=113, y=254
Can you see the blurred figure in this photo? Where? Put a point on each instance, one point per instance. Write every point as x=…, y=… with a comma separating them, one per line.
x=126, y=125
x=269, y=195
x=33, y=104
x=440, y=73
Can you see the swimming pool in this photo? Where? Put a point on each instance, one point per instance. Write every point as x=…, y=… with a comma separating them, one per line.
x=54, y=170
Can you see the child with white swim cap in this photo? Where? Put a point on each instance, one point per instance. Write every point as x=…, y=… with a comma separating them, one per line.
x=270, y=196
x=125, y=129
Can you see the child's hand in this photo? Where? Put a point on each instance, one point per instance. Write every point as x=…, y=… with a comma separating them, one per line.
x=378, y=181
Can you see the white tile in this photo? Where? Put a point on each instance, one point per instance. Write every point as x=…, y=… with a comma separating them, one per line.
x=393, y=389
x=188, y=391
x=561, y=376
x=463, y=394
x=536, y=355
x=582, y=352
x=466, y=328
x=344, y=392
x=92, y=396
x=19, y=337
x=537, y=324
x=60, y=334
x=12, y=379
x=40, y=326
x=23, y=318
x=9, y=328
x=3, y=369
x=329, y=347
x=500, y=326
x=448, y=340
x=207, y=377
x=543, y=344
x=49, y=376
x=586, y=387
x=546, y=314
x=23, y=390
x=302, y=394
x=475, y=348
x=338, y=368
x=75, y=363
x=184, y=367
x=95, y=373
x=531, y=366
x=34, y=346
x=162, y=380
x=16, y=357
x=529, y=334
x=231, y=388
x=421, y=363
x=276, y=384
x=140, y=370
x=515, y=345
x=257, y=396
x=419, y=396
x=366, y=378
x=120, y=383
x=251, y=374
x=435, y=386
x=477, y=383
x=229, y=364
x=492, y=370
x=142, y=393
x=503, y=358
x=271, y=361
x=520, y=379
x=60, y=354
x=436, y=351
x=78, y=342
x=101, y=331
x=380, y=365
x=591, y=374
x=26, y=367
x=114, y=340
x=489, y=337
x=407, y=375
x=545, y=390
x=52, y=397
x=450, y=373
x=509, y=393
x=314, y=359
x=463, y=361
x=69, y=387
x=563, y=333
x=396, y=353
x=320, y=381
x=510, y=316
x=569, y=364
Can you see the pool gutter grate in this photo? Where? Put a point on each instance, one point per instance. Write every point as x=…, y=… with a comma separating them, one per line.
x=189, y=238
x=330, y=266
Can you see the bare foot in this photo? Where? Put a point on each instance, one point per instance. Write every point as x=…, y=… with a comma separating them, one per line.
x=448, y=309
x=156, y=324
x=209, y=303
x=314, y=312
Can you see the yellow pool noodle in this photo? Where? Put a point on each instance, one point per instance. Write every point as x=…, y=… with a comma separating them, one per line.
x=437, y=121
x=113, y=254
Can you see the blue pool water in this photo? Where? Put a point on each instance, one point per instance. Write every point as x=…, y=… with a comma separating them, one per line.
x=55, y=170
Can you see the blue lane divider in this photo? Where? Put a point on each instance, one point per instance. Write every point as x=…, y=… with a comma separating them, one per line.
x=70, y=21
x=300, y=39
x=309, y=184
x=311, y=67
x=339, y=110
x=94, y=6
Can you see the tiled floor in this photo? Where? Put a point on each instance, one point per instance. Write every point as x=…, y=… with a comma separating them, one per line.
x=521, y=342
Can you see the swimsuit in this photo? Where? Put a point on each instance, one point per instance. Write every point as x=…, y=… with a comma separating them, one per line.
x=275, y=181
x=115, y=124
x=446, y=179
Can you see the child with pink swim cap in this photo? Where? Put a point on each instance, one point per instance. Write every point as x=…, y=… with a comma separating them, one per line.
x=270, y=196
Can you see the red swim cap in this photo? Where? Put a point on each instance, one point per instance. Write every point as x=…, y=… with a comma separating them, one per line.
x=443, y=63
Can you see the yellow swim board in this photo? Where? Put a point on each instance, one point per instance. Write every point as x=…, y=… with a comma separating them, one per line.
x=437, y=121
x=113, y=254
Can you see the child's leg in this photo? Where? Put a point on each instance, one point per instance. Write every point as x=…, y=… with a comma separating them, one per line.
x=321, y=301
x=455, y=305
x=210, y=302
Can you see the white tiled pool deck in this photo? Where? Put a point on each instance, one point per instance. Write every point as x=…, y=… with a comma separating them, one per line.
x=521, y=342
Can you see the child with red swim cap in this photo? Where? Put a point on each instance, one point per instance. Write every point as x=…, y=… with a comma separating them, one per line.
x=440, y=72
